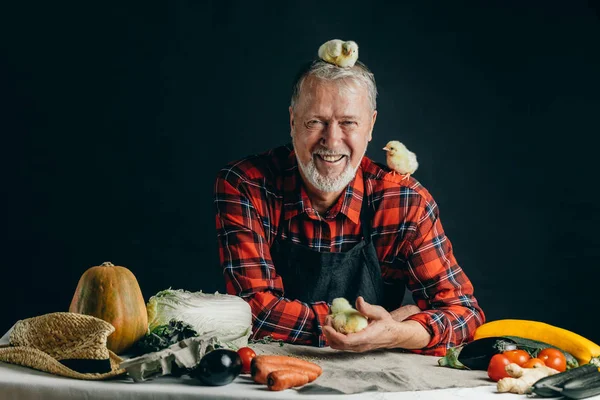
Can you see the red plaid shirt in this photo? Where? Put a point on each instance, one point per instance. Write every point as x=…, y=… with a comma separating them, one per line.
x=411, y=246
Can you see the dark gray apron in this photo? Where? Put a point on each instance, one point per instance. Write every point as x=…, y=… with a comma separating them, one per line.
x=310, y=276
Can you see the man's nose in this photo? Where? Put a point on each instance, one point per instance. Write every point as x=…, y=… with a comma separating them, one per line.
x=332, y=135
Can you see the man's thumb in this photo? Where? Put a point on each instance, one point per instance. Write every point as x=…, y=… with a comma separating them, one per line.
x=369, y=310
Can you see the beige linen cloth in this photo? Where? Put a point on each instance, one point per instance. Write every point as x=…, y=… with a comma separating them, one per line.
x=380, y=370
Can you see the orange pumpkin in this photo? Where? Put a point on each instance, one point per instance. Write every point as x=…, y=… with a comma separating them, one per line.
x=112, y=293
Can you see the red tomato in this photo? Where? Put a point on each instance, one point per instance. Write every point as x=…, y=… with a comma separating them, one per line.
x=533, y=363
x=518, y=357
x=553, y=358
x=246, y=354
x=497, y=367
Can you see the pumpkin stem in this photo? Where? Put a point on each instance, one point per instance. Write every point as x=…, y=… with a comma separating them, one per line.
x=107, y=264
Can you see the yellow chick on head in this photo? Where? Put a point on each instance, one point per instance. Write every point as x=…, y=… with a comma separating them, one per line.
x=346, y=319
x=400, y=159
x=339, y=52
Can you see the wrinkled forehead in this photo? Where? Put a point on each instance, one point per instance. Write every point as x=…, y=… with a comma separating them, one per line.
x=314, y=88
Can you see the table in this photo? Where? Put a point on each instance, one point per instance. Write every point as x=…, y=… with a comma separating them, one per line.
x=18, y=383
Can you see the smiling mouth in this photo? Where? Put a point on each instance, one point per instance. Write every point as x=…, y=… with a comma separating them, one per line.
x=331, y=159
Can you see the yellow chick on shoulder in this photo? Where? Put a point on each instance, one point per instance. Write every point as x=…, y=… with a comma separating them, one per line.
x=400, y=159
x=346, y=319
x=339, y=52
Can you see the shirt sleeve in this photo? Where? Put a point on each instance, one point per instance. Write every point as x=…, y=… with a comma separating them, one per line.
x=244, y=254
x=440, y=286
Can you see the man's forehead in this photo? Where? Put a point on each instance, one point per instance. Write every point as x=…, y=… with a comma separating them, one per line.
x=313, y=90
x=314, y=84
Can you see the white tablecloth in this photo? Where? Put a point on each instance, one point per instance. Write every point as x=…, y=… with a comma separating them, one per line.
x=18, y=383
x=24, y=383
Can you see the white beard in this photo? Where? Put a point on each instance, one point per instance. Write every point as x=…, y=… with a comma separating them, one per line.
x=324, y=183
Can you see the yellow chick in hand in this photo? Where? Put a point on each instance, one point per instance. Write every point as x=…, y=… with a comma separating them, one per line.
x=346, y=319
x=339, y=52
x=400, y=159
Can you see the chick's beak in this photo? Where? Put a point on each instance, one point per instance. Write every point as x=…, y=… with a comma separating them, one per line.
x=386, y=148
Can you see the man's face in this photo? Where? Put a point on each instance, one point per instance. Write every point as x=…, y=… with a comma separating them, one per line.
x=331, y=126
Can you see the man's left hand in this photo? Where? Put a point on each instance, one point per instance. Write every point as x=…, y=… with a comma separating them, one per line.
x=382, y=332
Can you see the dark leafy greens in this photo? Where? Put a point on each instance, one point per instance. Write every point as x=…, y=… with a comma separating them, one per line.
x=163, y=336
x=266, y=340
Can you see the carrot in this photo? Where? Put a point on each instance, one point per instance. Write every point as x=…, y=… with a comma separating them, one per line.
x=262, y=365
x=262, y=369
x=289, y=361
x=285, y=379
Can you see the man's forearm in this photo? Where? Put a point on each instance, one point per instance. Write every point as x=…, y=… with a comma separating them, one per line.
x=401, y=313
x=290, y=321
x=416, y=337
x=411, y=335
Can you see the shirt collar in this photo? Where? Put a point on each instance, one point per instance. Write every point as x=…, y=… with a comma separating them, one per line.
x=296, y=200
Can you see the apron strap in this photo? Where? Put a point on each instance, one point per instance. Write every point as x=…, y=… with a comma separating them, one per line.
x=366, y=215
x=280, y=225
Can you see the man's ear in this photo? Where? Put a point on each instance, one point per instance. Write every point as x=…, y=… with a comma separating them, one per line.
x=372, y=125
x=291, y=119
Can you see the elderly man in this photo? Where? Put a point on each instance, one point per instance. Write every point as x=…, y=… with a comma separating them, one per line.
x=303, y=224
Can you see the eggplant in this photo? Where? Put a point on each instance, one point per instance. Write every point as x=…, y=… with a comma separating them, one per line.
x=476, y=354
x=218, y=367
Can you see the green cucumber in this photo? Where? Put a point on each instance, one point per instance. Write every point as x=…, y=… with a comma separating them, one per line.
x=551, y=386
x=580, y=388
x=582, y=380
x=533, y=347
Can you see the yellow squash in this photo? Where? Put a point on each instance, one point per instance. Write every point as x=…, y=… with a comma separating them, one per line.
x=584, y=350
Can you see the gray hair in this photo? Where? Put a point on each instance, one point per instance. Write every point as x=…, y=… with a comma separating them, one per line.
x=319, y=69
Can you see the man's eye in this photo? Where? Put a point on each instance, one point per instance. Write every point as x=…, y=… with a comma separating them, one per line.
x=347, y=123
x=314, y=122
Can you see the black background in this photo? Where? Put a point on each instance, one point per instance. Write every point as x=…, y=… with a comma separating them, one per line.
x=116, y=118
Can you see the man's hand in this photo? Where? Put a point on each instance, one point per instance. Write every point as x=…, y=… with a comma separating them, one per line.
x=383, y=331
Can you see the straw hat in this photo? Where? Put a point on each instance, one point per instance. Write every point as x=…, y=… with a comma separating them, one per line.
x=62, y=343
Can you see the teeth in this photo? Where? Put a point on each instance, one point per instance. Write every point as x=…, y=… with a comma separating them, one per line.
x=330, y=158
